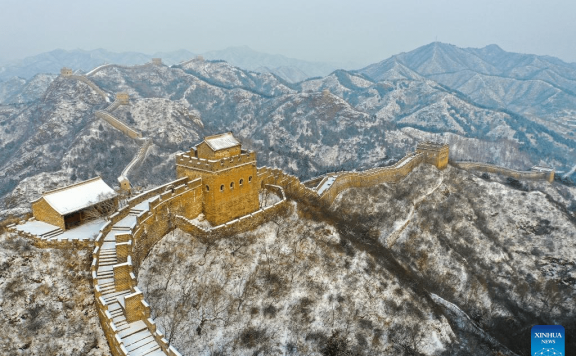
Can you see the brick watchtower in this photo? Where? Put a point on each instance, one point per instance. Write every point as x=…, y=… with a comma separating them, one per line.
x=230, y=187
x=66, y=72
x=436, y=153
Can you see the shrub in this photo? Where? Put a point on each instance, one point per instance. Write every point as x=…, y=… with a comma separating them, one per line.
x=252, y=337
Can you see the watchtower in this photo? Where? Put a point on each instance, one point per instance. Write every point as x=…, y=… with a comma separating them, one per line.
x=229, y=177
x=435, y=153
x=157, y=61
x=124, y=183
x=65, y=72
x=123, y=98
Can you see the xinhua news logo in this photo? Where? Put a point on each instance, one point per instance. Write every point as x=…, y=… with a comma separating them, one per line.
x=548, y=340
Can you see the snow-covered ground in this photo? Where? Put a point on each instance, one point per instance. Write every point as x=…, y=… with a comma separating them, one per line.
x=46, y=301
x=86, y=231
x=283, y=288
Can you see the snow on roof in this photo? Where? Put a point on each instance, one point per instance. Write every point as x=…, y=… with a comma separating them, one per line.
x=79, y=196
x=222, y=141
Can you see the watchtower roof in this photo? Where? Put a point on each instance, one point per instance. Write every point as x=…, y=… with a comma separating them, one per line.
x=79, y=196
x=222, y=141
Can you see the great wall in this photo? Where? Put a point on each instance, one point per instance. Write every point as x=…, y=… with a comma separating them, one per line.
x=106, y=115
x=131, y=232
x=535, y=174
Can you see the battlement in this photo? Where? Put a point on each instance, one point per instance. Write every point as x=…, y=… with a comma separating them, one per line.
x=202, y=164
x=157, y=61
x=435, y=153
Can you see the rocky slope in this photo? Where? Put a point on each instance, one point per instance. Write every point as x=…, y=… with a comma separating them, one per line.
x=342, y=121
x=441, y=263
x=19, y=91
x=46, y=301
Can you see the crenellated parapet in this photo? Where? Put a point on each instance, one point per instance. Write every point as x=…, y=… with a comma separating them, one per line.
x=434, y=153
x=128, y=238
x=536, y=173
x=185, y=160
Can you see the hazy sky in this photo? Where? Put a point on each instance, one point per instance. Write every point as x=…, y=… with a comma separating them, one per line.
x=358, y=31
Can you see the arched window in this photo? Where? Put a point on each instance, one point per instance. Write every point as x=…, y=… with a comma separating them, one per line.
x=222, y=188
x=241, y=181
x=207, y=188
x=231, y=185
x=250, y=179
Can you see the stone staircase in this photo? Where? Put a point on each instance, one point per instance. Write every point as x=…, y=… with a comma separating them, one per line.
x=51, y=234
x=135, y=337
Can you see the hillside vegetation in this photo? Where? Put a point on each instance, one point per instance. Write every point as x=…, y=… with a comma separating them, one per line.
x=443, y=262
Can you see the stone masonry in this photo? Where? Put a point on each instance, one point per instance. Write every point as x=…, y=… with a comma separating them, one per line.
x=229, y=177
x=435, y=153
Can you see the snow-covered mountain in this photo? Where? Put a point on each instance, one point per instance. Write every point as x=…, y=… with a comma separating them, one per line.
x=440, y=263
x=290, y=69
x=341, y=121
x=540, y=87
x=53, y=61
x=19, y=90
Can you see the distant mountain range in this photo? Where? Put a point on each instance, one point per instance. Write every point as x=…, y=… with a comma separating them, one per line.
x=521, y=113
x=289, y=69
x=540, y=87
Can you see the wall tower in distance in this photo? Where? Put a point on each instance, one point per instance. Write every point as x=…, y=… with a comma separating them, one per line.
x=436, y=153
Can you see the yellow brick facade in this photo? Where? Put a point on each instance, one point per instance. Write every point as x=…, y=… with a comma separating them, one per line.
x=229, y=180
x=123, y=98
x=42, y=211
x=436, y=154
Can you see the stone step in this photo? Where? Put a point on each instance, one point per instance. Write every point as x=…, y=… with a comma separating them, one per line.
x=108, y=260
x=110, y=297
x=107, y=252
x=147, y=343
x=134, y=332
x=116, y=312
x=52, y=234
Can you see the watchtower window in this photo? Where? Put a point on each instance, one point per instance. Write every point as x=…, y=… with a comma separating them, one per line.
x=207, y=188
x=231, y=185
x=250, y=179
x=222, y=188
x=241, y=181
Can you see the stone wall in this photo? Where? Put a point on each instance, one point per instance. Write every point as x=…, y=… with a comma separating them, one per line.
x=230, y=184
x=490, y=168
x=372, y=176
x=90, y=84
x=296, y=189
x=123, y=98
x=175, y=204
x=118, y=124
x=42, y=211
x=187, y=161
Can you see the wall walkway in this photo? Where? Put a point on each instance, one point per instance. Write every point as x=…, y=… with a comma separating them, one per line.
x=338, y=182
x=490, y=168
x=91, y=84
x=104, y=66
x=128, y=238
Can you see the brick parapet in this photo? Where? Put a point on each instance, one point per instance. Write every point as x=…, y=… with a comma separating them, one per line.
x=91, y=84
x=118, y=124
x=490, y=168
x=187, y=161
